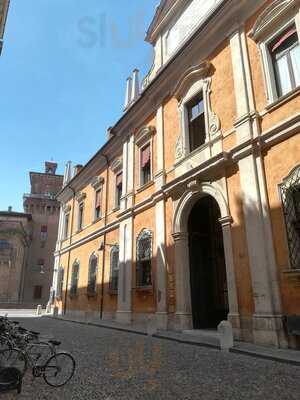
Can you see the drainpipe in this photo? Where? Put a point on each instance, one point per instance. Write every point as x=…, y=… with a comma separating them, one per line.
x=104, y=238
x=69, y=252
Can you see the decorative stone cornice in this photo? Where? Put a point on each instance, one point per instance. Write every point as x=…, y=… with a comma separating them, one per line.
x=144, y=134
x=117, y=165
x=192, y=75
x=97, y=182
x=270, y=16
x=66, y=208
x=80, y=196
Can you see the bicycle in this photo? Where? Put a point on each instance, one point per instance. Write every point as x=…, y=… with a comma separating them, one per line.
x=56, y=371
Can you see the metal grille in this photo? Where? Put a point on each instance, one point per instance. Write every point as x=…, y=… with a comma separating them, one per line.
x=114, y=268
x=74, y=279
x=92, y=281
x=144, y=255
x=290, y=189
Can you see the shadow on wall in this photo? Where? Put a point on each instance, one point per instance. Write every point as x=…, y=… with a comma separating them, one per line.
x=103, y=303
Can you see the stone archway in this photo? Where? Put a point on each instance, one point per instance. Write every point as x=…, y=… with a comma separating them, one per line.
x=194, y=192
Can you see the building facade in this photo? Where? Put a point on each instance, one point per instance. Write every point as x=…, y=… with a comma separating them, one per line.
x=15, y=233
x=27, y=242
x=190, y=212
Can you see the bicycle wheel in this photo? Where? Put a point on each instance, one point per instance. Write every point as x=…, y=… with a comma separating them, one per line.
x=5, y=343
x=59, y=369
x=13, y=358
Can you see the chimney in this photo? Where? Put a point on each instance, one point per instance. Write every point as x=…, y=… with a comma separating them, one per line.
x=135, y=85
x=67, y=174
x=110, y=133
x=128, y=92
x=10, y=209
x=77, y=169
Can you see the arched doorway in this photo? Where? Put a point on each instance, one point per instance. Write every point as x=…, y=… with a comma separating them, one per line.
x=209, y=293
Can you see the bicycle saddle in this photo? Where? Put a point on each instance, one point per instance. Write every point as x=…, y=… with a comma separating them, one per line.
x=55, y=342
x=34, y=333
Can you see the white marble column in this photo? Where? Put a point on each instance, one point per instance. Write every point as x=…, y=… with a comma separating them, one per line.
x=267, y=326
x=233, y=315
x=124, y=311
x=183, y=315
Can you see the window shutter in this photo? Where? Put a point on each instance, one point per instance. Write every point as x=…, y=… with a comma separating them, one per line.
x=145, y=156
x=282, y=38
x=119, y=179
x=98, y=198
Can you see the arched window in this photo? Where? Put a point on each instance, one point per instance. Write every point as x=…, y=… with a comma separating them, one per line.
x=60, y=282
x=92, y=278
x=74, y=279
x=114, y=268
x=143, y=259
x=290, y=195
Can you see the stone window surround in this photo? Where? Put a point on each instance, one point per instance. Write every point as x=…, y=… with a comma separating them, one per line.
x=142, y=139
x=92, y=257
x=66, y=212
x=114, y=248
x=80, y=197
x=117, y=168
x=144, y=232
x=263, y=37
x=97, y=184
x=75, y=263
x=187, y=89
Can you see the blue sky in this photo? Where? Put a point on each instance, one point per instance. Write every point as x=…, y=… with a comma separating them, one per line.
x=62, y=81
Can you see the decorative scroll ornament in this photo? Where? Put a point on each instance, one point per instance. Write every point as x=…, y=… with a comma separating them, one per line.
x=179, y=148
x=213, y=119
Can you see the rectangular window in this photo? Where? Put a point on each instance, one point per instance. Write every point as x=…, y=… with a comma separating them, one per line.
x=60, y=282
x=285, y=54
x=66, y=225
x=44, y=233
x=145, y=164
x=196, y=120
x=37, y=292
x=119, y=188
x=97, y=204
x=80, y=216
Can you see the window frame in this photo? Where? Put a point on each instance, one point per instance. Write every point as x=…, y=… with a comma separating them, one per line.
x=143, y=138
x=73, y=291
x=268, y=65
x=80, y=216
x=114, y=249
x=60, y=283
x=93, y=292
x=145, y=233
x=291, y=218
x=66, y=225
x=117, y=198
x=97, y=184
x=100, y=191
x=142, y=182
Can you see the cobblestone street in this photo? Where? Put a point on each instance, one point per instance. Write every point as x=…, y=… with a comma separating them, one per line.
x=115, y=365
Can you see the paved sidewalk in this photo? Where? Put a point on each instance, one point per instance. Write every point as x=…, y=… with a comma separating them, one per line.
x=20, y=313
x=202, y=339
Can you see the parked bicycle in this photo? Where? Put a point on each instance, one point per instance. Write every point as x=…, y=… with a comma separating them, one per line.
x=23, y=350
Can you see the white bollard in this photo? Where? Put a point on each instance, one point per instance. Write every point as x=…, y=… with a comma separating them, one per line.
x=226, y=335
x=39, y=310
